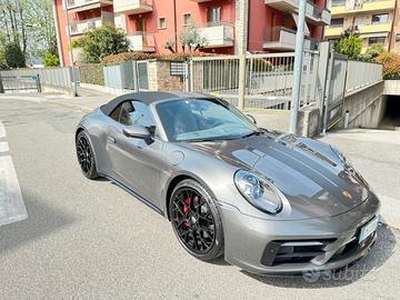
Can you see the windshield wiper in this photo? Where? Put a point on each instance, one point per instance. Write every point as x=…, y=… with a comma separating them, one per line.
x=253, y=133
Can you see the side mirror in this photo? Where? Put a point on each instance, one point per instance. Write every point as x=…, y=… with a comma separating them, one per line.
x=136, y=131
x=252, y=118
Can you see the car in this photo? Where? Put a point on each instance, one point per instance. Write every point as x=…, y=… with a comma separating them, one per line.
x=268, y=202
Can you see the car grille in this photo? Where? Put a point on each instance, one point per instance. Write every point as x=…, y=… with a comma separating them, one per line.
x=285, y=252
x=304, y=251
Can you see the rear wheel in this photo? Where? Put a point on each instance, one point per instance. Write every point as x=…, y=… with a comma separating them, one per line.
x=85, y=154
x=196, y=221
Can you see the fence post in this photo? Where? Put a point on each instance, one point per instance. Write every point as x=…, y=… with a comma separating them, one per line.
x=328, y=91
x=136, y=75
x=38, y=84
x=242, y=81
x=187, y=76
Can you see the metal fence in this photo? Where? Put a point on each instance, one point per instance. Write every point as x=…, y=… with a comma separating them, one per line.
x=268, y=79
x=362, y=74
x=127, y=75
x=25, y=79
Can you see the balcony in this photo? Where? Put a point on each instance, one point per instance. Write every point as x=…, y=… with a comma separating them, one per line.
x=81, y=5
x=80, y=27
x=283, y=39
x=131, y=7
x=314, y=14
x=373, y=28
x=142, y=41
x=332, y=31
x=363, y=7
x=217, y=34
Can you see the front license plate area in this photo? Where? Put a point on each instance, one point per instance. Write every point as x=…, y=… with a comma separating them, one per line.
x=368, y=229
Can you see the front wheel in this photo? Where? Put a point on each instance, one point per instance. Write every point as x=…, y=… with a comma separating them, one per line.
x=196, y=221
x=85, y=154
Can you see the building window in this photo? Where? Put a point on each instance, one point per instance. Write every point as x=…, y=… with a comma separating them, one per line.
x=162, y=23
x=380, y=19
x=187, y=19
x=214, y=15
x=376, y=40
x=335, y=3
x=337, y=22
x=397, y=37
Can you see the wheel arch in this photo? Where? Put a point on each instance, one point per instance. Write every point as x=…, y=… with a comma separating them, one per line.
x=175, y=180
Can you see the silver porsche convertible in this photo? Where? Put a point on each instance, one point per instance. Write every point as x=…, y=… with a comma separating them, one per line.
x=269, y=202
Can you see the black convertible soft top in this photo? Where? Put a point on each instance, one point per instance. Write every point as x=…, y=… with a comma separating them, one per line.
x=148, y=98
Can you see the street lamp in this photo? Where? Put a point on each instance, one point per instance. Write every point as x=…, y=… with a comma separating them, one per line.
x=71, y=53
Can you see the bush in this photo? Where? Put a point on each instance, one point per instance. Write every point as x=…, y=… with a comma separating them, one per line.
x=92, y=73
x=51, y=60
x=14, y=56
x=3, y=62
x=103, y=41
x=391, y=65
x=349, y=44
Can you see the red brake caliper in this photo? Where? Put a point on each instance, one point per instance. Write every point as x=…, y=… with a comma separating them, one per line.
x=186, y=210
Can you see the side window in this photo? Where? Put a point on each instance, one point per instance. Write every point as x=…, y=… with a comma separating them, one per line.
x=133, y=112
x=115, y=113
x=141, y=115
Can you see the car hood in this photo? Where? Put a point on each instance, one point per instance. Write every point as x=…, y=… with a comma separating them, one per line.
x=309, y=173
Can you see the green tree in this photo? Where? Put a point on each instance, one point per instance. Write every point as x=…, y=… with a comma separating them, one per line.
x=349, y=44
x=51, y=60
x=103, y=41
x=14, y=56
x=191, y=38
x=30, y=25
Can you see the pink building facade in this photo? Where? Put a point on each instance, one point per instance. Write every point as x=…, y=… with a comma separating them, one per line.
x=228, y=26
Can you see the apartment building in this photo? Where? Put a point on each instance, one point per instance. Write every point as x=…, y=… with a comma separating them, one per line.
x=373, y=20
x=228, y=26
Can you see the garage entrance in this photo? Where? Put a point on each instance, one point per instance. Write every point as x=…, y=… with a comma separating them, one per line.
x=391, y=118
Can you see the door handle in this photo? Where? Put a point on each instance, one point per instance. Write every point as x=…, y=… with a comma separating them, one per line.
x=111, y=139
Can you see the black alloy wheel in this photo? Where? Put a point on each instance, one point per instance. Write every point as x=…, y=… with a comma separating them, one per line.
x=86, y=156
x=195, y=220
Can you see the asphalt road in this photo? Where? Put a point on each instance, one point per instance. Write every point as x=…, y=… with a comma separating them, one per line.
x=91, y=240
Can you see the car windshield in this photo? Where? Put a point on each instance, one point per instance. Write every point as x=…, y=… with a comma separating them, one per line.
x=202, y=120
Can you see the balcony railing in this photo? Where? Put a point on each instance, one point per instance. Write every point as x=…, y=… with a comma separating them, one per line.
x=79, y=27
x=217, y=34
x=282, y=38
x=314, y=14
x=142, y=41
x=130, y=7
x=81, y=5
x=362, y=6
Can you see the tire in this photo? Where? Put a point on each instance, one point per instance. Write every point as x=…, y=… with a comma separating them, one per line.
x=196, y=221
x=86, y=156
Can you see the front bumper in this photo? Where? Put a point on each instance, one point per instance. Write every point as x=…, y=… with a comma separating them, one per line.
x=254, y=244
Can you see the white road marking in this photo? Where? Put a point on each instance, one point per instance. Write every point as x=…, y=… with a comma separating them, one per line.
x=12, y=206
x=2, y=130
x=4, y=147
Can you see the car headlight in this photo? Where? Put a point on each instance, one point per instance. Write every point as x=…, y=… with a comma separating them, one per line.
x=258, y=191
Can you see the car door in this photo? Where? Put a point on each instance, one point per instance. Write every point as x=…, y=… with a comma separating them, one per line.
x=136, y=163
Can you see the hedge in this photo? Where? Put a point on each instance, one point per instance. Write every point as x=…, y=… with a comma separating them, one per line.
x=127, y=56
x=391, y=65
x=92, y=73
